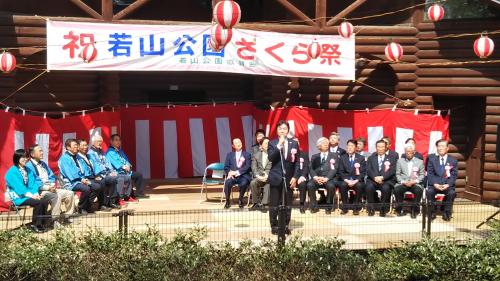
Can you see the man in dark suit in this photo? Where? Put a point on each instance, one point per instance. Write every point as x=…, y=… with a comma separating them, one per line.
x=283, y=153
x=442, y=171
x=323, y=171
x=259, y=135
x=237, y=170
x=334, y=140
x=352, y=171
x=418, y=155
x=260, y=171
x=381, y=170
x=303, y=179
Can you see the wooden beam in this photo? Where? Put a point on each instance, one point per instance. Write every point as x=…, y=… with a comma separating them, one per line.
x=345, y=12
x=87, y=9
x=321, y=13
x=130, y=9
x=107, y=10
x=298, y=13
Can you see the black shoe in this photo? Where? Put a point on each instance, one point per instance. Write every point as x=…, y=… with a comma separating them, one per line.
x=36, y=229
x=114, y=206
x=322, y=200
x=240, y=204
x=302, y=209
x=105, y=209
x=83, y=212
x=142, y=196
x=355, y=212
x=227, y=205
x=288, y=231
x=401, y=213
x=433, y=216
x=414, y=214
x=344, y=211
x=382, y=214
x=446, y=216
x=314, y=210
x=371, y=213
x=274, y=230
x=328, y=211
x=255, y=207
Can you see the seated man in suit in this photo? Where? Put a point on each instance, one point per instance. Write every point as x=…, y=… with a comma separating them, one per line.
x=259, y=135
x=74, y=179
x=323, y=171
x=237, y=169
x=409, y=176
x=88, y=172
x=122, y=165
x=352, y=171
x=381, y=170
x=260, y=170
x=442, y=171
x=360, y=147
x=47, y=181
x=417, y=154
x=303, y=173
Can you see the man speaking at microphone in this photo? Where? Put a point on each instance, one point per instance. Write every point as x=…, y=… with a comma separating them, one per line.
x=283, y=154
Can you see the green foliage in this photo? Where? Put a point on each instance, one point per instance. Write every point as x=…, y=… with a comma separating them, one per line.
x=95, y=255
x=465, y=9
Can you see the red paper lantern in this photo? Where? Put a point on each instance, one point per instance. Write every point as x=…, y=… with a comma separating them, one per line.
x=220, y=35
x=314, y=50
x=88, y=53
x=393, y=52
x=346, y=29
x=227, y=13
x=484, y=46
x=7, y=62
x=435, y=12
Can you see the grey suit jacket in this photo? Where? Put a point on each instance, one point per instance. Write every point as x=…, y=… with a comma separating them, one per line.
x=402, y=173
x=257, y=166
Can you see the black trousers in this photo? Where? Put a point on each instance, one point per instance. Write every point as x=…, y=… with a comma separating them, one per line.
x=109, y=193
x=302, y=192
x=40, y=207
x=448, y=199
x=385, y=188
x=138, y=181
x=312, y=186
x=399, y=193
x=88, y=194
x=276, y=197
x=242, y=183
x=359, y=188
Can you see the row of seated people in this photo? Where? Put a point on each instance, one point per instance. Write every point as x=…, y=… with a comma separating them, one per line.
x=383, y=171
x=107, y=177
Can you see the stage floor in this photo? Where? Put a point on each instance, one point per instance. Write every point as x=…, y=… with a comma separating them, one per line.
x=177, y=205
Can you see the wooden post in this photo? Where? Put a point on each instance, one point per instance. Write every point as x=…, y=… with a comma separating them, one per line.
x=345, y=12
x=91, y=12
x=298, y=13
x=321, y=13
x=107, y=10
x=130, y=9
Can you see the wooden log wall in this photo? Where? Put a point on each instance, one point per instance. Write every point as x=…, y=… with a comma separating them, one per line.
x=474, y=81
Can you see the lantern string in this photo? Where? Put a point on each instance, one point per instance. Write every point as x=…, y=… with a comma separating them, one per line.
x=23, y=86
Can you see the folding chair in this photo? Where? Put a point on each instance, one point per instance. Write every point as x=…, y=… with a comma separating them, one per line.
x=215, y=178
x=9, y=194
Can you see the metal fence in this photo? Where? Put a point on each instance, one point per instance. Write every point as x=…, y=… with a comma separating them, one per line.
x=235, y=225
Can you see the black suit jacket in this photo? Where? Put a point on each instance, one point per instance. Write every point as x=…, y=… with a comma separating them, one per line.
x=325, y=170
x=436, y=174
x=303, y=165
x=291, y=162
x=348, y=172
x=373, y=171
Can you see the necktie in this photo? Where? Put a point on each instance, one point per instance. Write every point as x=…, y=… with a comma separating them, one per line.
x=323, y=159
x=442, y=162
x=285, y=147
x=380, y=159
x=351, y=161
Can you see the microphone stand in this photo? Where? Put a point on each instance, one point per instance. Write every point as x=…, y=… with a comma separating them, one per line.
x=282, y=207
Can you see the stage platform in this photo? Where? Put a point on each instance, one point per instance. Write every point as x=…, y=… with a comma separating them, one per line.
x=178, y=205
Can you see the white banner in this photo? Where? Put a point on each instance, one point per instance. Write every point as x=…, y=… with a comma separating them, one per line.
x=131, y=47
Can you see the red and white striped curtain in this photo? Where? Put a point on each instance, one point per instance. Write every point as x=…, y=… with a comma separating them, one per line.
x=180, y=141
